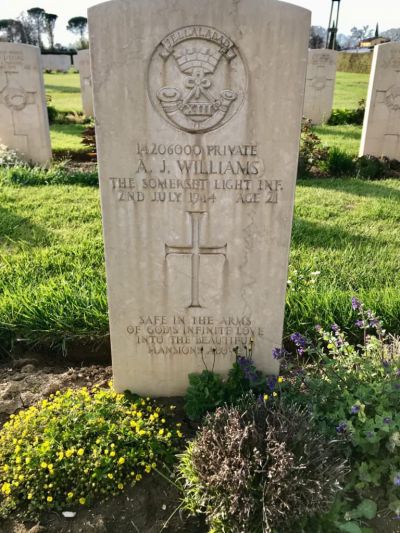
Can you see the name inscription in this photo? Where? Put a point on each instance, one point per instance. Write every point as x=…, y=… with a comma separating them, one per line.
x=196, y=174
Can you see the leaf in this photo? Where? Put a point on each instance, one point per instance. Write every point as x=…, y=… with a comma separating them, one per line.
x=367, y=509
x=350, y=527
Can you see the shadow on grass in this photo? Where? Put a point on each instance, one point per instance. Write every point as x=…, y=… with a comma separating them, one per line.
x=319, y=235
x=15, y=229
x=62, y=88
x=339, y=131
x=355, y=186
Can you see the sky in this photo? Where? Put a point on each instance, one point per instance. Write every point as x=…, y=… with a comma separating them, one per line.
x=353, y=13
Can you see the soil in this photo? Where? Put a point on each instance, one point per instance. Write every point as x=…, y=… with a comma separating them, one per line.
x=151, y=506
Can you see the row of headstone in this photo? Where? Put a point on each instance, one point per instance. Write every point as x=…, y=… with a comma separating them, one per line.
x=56, y=62
x=320, y=85
x=24, y=124
x=85, y=76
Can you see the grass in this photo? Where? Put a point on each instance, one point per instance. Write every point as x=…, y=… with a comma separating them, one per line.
x=345, y=137
x=52, y=284
x=350, y=89
x=67, y=137
x=64, y=90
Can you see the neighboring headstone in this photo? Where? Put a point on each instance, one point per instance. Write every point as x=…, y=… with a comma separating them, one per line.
x=86, y=81
x=24, y=124
x=197, y=126
x=56, y=62
x=320, y=85
x=381, y=130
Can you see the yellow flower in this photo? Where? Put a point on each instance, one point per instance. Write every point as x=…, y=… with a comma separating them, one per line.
x=266, y=397
x=60, y=456
x=82, y=501
x=70, y=495
x=148, y=469
x=153, y=465
x=179, y=434
x=155, y=415
x=6, y=468
x=21, y=477
x=161, y=431
x=280, y=379
x=120, y=486
x=43, y=464
x=18, y=460
x=112, y=453
x=110, y=476
x=6, y=488
x=49, y=499
x=27, y=460
x=133, y=423
x=69, y=452
x=30, y=496
x=275, y=394
x=121, y=460
x=138, y=477
x=81, y=451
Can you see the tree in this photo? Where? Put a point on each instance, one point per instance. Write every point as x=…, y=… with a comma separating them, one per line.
x=50, y=22
x=13, y=31
x=78, y=25
x=317, y=37
x=37, y=14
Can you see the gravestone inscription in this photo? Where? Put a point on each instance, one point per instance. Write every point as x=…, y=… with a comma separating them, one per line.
x=320, y=85
x=85, y=77
x=24, y=124
x=381, y=129
x=197, y=126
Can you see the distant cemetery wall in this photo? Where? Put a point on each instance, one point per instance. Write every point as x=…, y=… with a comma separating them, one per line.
x=358, y=63
x=61, y=62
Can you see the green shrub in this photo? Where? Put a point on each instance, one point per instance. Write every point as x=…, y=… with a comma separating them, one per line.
x=52, y=113
x=208, y=390
x=353, y=391
x=339, y=163
x=348, y=116
x=79, y=445
x=10, y=158
x=358, y=63
x=57, y=174
x=311, y=153
x=258, y=468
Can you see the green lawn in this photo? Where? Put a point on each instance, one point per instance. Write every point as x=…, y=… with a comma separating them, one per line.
x=52, y=284
x=350, y=89
x=345, y=137
x=67, y=137
x=64, y=90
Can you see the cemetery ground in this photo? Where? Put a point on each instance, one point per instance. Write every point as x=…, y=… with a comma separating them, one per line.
x=53, y=313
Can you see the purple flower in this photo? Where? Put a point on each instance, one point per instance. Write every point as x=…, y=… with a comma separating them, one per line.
x=355, y=303
x=335, y=328
x=279, y=353
x=341, y=428
x=355, y=409
x=374, y=322
x=300, y=342
x=271, y=383
x=360, y=323
x=387, y=420
x=318, y=328
x=396, y=480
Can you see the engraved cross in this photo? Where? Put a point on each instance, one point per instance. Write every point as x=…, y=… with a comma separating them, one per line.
x=195, y=249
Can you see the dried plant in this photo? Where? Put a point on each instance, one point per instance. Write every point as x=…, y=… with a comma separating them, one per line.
x=255, y=468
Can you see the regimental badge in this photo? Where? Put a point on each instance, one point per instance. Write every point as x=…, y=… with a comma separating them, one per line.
x=197, y=79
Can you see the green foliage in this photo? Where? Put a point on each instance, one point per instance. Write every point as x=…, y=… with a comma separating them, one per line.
x=205, y=393
x=311, y=153
x=57, y=174
x=78, y=446
x=348, y=116
x=339, y=163
x=260, y=467
x=9, y=159
x=354, y=63
x=354, y=391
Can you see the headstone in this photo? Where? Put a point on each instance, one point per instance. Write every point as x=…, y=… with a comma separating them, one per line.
x=56, y=62
x=320, y=85
x=197, y=126
x=24, y=124
x=86, y=82
x=381, y=130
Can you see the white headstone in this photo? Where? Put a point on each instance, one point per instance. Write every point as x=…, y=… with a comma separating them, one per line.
x=24, y=124
x=86, y=82
x=56, y=62
x=320, y=85
x=198, y=124
x=381, y=130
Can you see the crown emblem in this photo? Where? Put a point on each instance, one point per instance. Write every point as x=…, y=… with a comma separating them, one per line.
x=199, y=102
